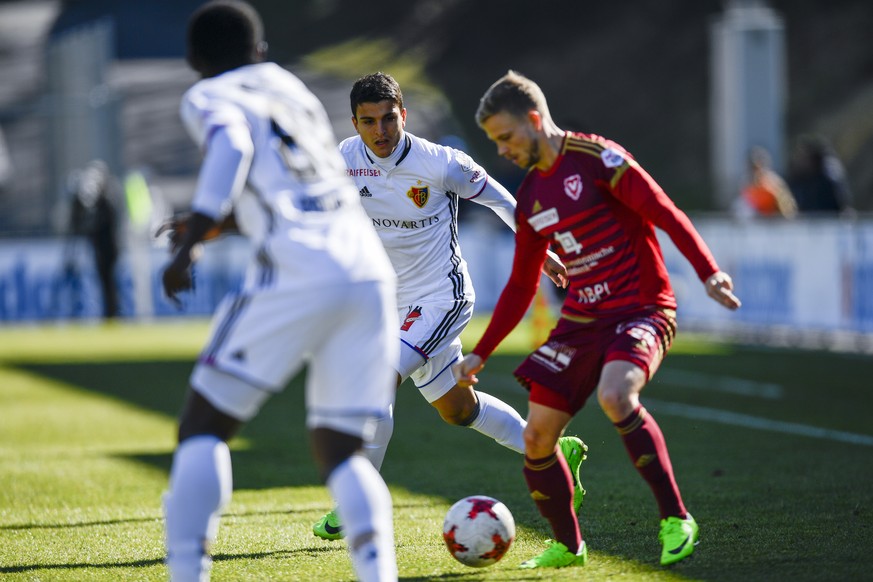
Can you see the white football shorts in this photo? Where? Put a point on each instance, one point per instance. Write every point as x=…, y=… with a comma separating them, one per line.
x=430, y=342
x=346, y=334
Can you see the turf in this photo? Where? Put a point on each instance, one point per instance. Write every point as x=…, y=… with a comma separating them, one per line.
x=773, y=450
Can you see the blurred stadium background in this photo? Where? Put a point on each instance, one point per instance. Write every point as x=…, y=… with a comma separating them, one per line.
x=687, y=86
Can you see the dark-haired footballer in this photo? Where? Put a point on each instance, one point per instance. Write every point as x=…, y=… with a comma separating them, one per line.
x=411, y=189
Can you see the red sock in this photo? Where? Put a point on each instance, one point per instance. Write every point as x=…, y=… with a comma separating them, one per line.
x=551, y=487
x=647, y=448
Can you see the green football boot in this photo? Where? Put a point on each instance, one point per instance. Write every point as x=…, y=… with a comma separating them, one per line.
x=329, y=527
x=557, y=556
x=574, y=451
x=679, y=536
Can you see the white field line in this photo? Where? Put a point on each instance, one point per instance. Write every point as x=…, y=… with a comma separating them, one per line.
x=727, y=384
x=744, y=420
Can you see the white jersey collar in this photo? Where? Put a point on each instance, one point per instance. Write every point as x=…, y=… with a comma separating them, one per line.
x=394, y=159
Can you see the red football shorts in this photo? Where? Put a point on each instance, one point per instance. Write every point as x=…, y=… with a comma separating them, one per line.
x=564, y=371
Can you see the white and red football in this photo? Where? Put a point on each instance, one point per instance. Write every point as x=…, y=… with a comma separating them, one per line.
x=478, y=530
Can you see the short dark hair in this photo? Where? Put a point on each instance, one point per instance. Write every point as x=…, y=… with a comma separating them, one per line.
x=224, y=34
x=373, y=89
x=513, y=93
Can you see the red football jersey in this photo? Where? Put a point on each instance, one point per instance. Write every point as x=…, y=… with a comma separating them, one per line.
x=598, y=209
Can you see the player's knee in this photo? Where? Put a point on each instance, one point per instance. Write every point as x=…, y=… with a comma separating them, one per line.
x=200, y=417
x=331, y=448
x=615, y=402
x=462, y=416
x=459, y=406
x=537, y=444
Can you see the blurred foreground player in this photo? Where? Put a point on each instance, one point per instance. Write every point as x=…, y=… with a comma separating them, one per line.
x=588, y=195
x=319, y=290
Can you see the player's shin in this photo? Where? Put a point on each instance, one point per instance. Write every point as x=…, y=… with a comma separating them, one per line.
x=200, y=486
x=647, y=448
x=364, y=506
x=551, y=487
x=376, y=448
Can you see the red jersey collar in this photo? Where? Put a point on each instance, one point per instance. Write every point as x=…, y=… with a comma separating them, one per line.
x=557, y=162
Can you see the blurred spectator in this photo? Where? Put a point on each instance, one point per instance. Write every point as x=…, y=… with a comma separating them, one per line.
x=5, y=163
x=817, y=178
x=766, y=194
x=94, y=215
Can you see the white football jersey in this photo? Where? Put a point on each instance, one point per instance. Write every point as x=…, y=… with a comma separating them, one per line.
x=301, y=211
x=414, y=207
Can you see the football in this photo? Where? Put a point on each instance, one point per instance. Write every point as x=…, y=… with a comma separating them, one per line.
x=478, y=530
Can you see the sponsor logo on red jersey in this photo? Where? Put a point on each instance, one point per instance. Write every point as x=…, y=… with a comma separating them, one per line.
x=543, y=219
x=611, y=158
x=555, y=356
x=568, y=242
x=419, y=195
x=573, y=186
x=593, y=293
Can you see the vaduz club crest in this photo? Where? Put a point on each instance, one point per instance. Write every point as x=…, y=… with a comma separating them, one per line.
x=573, y=186
x=419, y=195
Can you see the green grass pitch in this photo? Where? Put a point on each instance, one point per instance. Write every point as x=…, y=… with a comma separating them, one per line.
x=773, y=450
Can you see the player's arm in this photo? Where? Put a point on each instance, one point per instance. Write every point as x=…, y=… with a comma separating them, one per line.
x=638, y=190
x=497, y=198
x=222, y=177
x=177, y=229
x=514, y=301
x=470, y=181
x=493, y=195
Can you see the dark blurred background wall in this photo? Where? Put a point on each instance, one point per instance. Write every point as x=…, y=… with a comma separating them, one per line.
x=637, y=71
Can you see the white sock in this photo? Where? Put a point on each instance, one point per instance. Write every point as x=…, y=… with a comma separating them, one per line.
x=364, y=506
x=500, y=421
x=200, y=486
x=375, y=449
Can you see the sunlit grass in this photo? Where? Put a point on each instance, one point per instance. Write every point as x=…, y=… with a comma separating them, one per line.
x=87, y=424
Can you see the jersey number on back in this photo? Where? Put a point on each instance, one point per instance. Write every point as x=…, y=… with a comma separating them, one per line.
x=296, y=159
x=305, y=146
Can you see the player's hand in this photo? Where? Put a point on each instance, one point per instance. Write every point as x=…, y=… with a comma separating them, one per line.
x=555, y=270
x=177, y=228
x=178, y=277
x=720, y=287
x=465, y=370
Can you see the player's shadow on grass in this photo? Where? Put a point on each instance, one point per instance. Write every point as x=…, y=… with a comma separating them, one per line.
x=78, y=524
x=276, y=453
x=422, y=450
x=158, y=561
x=308, y=551
x=425, y=456
x=80, y=565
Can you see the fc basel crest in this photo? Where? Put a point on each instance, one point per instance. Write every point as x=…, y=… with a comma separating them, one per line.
x=419, y=195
